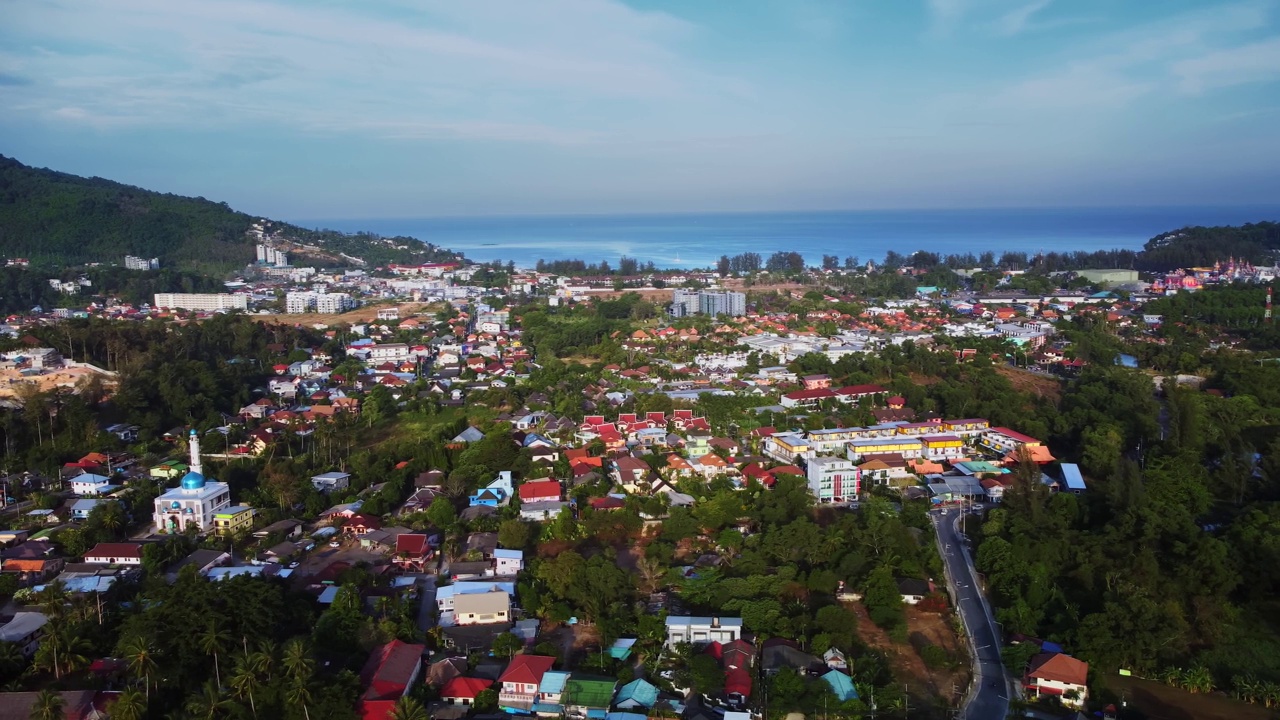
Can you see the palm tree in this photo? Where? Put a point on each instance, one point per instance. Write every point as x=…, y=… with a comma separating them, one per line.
x=209, y=704
x=48, y=706
x=299, y=694
x=409, y=709
x=62, y=651
x=129, y=705
x=141, y=660
x=297, y=661
x=11, y=659
x=213, y=641
x=246, y=679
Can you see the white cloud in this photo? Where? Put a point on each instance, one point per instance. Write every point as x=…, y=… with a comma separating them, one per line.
x=945, y=14
x=1255, y=62
x=1018, y=20
x=503, y=69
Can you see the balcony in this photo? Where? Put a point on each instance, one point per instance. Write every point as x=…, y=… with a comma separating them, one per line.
x=517, y=700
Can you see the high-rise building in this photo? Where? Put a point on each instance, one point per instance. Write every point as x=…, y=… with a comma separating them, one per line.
x=708, y=302
x=137, y=263
x=210, y=302
x=317, y=302
x=268, y=255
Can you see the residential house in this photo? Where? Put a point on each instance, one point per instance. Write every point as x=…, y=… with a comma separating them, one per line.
x=482, y=608
x=542, y=511
x=123, y=553
x=413, y=550
x=360, y=524
x=391, y=670
x=537, y=491
x=551, y=694
x=24, y=631
x=638, y=694
x=913, y=590
x=1059, y=675
x=508, y=562
x=331, y=481
x=702, y=630
x=463, y=690
x=841, y=685
x=232, y=520
x=630, y=472
x=447, y=595
x=497, y=493
x=520, y=682
x=33, y=561
x=91, y=484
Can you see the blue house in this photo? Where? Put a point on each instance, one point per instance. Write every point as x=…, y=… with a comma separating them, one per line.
x=637, y=694
x=841, y=685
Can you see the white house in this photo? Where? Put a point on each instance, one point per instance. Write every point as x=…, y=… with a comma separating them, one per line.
x=90, y=484
x=702, y=630
x=508, y=562
x=123, y=553
x=1059, y=675
x=331, y=481
x=483, y=608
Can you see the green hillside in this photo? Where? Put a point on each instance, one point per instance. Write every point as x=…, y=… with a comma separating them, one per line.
x=57, y=219
x=1202, y=246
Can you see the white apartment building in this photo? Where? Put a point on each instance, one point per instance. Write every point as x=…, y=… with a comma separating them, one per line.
x=392, y=352
x=317, y=302
x=833, y=479
x=136, y=263
x=702, y=630
x=207, y=302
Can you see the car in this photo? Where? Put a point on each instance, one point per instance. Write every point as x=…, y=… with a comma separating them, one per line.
x=293, y=564
x=335, y=544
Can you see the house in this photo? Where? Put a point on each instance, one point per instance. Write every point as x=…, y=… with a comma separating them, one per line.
x=520, y=682
x=360, y=524
x=540, y=491
x=447, y=595
x=81, y=508
x=702, y=630
x=630, y=472
x=413, y=550
x=542, y=511
x=463, y=690
x=331, y=481
x=497, y=493
x=33, y=560
x=24, y=631
x=483, y=608
x=1060, y=675
x=90, y=484
x=508, y=562
x=391, y=670
x=636, y=695
x=124, y=553
x=1072, y=480
x=841, y=685
x=913, y=590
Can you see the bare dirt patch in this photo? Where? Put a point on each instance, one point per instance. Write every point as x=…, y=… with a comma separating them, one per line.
x=1157, y=701
x=1041, y=386
x=924, y=684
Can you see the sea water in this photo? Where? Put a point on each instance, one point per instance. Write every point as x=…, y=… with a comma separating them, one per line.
x=698, y=240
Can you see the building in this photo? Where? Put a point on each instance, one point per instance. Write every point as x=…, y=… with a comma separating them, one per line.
x=24, y=631
x=391, y=670
x=137, y=263
x=708, y=302
x=702, y=630
x=91, y=484
x=318, y=302
x=123, y=553
x=389, y=352
x=508, y=562
x=234, y=519
x=787, y=447
x=331, y=481
x=520, y=682
x=833, y=479
x=1060, y=675
x=205, y=302
x=194, y=501
x=268, y=255
x=483, y=608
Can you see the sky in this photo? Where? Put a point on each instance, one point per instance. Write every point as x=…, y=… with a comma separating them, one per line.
x=416, y=108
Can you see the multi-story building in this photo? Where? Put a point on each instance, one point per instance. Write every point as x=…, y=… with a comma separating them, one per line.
x=521, y=681
x=787, y=447
x=234, y=519
x=702, y=630
x=832, y=479
x=208, y=302
x=268, y=255
x=24, y=631
x=907, y=447
x=722, y=303
x=390, y=352
x=483, y=608
x=137, y=263
x=317, y=302
x=942, y=447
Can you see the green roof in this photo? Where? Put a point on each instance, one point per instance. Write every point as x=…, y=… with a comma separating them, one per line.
x=589, y=692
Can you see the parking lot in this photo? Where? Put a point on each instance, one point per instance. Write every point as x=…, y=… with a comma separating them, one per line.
x=350, y=553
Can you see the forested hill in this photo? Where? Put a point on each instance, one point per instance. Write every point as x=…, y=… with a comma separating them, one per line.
x=1202, y=246
x=60, y=219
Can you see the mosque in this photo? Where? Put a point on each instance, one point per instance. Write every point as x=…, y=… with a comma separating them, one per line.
x=194, y=501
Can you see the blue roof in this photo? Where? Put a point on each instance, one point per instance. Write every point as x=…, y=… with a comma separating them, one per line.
x=329, y=593
x=621, y=648
x=640, y=691
x=841, y=685
x=504, y=554
x=470, y=587
x=1050, y=647
x=1071, y=476
x=192, y=481
x=553, y=681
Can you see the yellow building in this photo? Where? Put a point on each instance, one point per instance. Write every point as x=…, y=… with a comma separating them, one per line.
x=907, y=447
x=237, y=518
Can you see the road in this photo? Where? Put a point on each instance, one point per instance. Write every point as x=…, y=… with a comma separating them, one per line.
x=990, y=698
x=427, y=589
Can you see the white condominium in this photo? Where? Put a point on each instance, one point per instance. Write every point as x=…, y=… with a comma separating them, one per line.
x=210, y=302
x=327, y=303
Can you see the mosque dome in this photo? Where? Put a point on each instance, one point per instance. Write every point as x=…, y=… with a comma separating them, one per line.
x=192, y=481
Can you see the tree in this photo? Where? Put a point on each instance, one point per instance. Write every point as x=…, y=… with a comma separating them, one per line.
x=140, y=659
x=441, y=513
x=129, y=705
x=706, y=675
x=486, y=700
x=213, y=641
x=48, y=705
x=506, y=645
x=515, y=534
x=297, y=662
x=883, y=600
x=407, y=708
x=246, y=680
x=209, y=703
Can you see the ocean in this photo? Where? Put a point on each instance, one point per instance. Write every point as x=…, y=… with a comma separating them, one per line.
x=698, y=240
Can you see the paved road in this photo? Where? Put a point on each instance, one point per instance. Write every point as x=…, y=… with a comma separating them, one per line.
x=990, y=700
x=427, y=589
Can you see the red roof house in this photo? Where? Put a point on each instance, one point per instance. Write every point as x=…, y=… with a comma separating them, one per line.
x=463, y=690
x=540, y=491
x=391, y=670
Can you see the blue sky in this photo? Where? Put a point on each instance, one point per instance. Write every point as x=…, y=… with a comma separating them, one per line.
x=408, y=108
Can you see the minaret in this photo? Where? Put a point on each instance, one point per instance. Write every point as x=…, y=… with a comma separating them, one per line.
x=195, y=454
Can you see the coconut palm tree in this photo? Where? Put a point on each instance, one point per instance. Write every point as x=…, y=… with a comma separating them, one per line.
x=409, y=709
x=140, y=658
x=48, y=706
x=62, y=651
x=11, y=659
x=129, y=705
x=297, y=662
x=299, y=694
x=209, y=704
x=213, y=641
x=246, y=680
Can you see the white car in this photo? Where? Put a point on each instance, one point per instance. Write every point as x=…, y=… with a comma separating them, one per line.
x=335, y=544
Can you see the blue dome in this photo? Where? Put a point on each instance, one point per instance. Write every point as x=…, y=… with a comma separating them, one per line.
x=192, y=481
